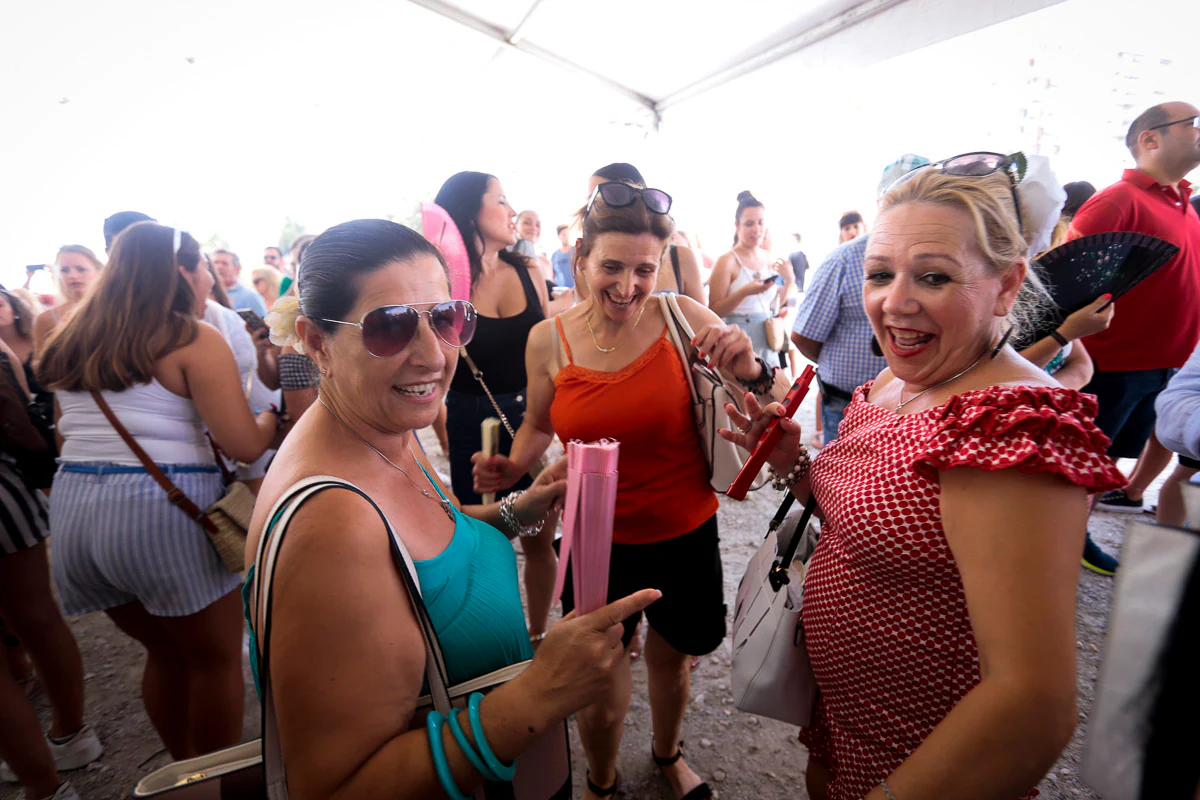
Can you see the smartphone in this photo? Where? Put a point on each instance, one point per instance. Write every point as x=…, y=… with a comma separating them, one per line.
x=770, y=279
x=35, y=267
x=771, y=436
x=253, y=320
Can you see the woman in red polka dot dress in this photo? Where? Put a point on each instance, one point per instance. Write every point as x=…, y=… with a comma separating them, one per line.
x=939, y=606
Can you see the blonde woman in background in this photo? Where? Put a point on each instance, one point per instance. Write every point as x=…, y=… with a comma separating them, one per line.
x=75, y=269
x=266, y=282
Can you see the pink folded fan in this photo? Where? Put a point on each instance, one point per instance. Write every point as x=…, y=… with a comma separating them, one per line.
x=588, y=521
x=442, y=233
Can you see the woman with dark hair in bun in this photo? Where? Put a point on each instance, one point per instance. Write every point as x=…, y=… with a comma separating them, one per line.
x=510, y=297
x=747, y=287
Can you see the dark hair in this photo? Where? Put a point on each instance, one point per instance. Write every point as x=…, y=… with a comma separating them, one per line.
x=278, y=252
x=1078, y=193
x=119, y=222
x=745, y=200
x=850, y=218
x=139, y=309
x=333, y=263
x=1196, y=203
x=22, y=314
x=1150, y=118
x=461, y=196
x=561, y=228
x=622, y=172
x=1170, y=769
x=633, y=219
x=218, y=291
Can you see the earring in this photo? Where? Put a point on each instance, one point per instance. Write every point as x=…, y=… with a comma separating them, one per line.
x=875, y=348
x=1003, y=341
x=325, y=371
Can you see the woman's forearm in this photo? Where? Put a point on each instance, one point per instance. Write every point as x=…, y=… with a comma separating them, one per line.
x=729, y=303
x=1042, y=352
x=513, y=717
x=997, y=743
x=528, y=446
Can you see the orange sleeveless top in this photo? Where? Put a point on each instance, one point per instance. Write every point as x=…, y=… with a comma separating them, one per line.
x=662, y=480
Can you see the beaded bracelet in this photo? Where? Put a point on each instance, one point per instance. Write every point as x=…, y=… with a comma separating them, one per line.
x=464, y=744
x=798, y=471
x=504, y=771
x=508, y=516
x=764, y=382
x=887, y=790
x=433, y=723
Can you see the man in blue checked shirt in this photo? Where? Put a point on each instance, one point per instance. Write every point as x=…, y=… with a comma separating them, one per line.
x=832, y=328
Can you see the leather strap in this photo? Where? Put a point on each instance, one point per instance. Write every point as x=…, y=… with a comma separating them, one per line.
x=226, y=476
x=174, y=493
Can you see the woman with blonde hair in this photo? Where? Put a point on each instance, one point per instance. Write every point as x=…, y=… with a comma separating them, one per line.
x=267, y=281
x=122, y=546
x=75, y=269
x=939, y=605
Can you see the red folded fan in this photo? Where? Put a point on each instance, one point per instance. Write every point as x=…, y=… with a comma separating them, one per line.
x=588, y=521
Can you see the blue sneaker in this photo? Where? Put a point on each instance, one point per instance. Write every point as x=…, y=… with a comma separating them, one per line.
x=1097, y=560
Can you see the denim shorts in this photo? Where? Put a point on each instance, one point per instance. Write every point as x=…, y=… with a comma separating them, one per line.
x=464, y=414
x=1126, y=400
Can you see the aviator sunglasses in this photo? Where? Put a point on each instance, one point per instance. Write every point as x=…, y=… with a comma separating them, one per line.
x=389, y=329
x=974, y=165
x=620, y=195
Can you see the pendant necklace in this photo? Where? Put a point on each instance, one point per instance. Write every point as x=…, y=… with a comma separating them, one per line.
x=903, y=403
x=588, y=319
x=443, y=502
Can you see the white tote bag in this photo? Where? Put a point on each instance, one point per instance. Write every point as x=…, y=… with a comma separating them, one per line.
x=772, y=676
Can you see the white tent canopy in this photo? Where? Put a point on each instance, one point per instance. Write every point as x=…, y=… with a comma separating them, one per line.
x=226, y=116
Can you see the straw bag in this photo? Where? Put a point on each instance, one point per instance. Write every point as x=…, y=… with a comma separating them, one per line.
x=776, y=332
x=225, y=522
x=772, y=676
x=710, y=390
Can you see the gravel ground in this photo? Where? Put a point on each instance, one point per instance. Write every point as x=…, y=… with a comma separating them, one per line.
x=743, y=757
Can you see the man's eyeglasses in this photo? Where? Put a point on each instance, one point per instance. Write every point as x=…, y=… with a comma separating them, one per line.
x=1193, y=121
x=389, y=329
x=620, y=195
x=974, y=165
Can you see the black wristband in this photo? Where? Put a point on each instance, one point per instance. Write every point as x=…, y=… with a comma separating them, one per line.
x=764, y=382
x=1058, y=337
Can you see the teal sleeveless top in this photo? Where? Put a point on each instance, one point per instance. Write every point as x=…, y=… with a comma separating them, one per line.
x=470, y=590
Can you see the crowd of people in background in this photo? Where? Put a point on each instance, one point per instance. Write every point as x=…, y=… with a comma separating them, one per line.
x=987, y=447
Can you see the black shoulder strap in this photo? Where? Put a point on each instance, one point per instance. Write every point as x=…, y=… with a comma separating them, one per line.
x=531, y=295
x=675, y=266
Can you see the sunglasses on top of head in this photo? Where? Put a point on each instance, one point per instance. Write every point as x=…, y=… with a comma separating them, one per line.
x=973, y=165
x=389, y=329
x=620, y=195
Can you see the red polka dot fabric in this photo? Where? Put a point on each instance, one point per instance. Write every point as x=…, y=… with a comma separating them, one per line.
x=885, y=616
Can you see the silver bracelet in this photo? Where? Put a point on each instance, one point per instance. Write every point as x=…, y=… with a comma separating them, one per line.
x=887, y=790
x=508, y=516
x=798, y=471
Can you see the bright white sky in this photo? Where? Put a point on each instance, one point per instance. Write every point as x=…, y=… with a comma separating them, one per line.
x=326, y=112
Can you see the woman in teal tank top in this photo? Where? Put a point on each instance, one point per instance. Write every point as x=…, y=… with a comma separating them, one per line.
x=346, y=654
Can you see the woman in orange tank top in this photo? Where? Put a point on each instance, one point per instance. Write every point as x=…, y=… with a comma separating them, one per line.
x=607, y=369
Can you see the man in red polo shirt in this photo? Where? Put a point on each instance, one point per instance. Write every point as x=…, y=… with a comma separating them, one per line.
x=1157, y=324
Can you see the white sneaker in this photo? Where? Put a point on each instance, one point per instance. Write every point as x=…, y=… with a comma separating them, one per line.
x=80, y=750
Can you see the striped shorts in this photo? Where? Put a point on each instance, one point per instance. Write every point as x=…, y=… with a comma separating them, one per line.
x=22, y=511
x=117, y=539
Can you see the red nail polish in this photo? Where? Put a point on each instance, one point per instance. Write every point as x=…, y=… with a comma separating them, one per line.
x=1107, y=296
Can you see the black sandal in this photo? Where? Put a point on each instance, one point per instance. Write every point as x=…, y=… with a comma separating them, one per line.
x=701, y=792
x=601, y=792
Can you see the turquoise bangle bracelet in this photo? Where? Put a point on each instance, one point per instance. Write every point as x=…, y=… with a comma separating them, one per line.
x=433, y=723
x=469, y=751
x=505, y=773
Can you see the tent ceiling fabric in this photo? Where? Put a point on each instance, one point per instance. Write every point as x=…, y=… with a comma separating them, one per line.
x=697, y=47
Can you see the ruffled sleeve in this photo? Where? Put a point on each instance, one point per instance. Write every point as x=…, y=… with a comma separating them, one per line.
x=1029, y=428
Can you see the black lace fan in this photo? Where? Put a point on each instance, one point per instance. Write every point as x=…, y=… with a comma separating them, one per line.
x=1083, y=269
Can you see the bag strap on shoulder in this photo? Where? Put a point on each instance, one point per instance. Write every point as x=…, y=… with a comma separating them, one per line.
x=174, y=493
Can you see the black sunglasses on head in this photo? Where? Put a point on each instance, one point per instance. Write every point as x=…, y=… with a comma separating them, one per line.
x=389, y=329
x=973, y=165
x=620, y=195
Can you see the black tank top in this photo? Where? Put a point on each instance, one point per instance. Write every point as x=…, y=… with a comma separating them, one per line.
x=498, y=348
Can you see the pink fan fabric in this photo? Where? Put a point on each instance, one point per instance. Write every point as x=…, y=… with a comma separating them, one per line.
x=439, y=229
x=588, y=521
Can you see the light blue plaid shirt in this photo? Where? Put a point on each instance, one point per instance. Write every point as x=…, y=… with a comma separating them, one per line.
x=832, y=313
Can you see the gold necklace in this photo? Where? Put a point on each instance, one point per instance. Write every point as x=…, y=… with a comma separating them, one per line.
x=588, y=319
x=443, y=502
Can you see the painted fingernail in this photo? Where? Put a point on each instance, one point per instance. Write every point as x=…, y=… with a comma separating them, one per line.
x=1107, y=296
